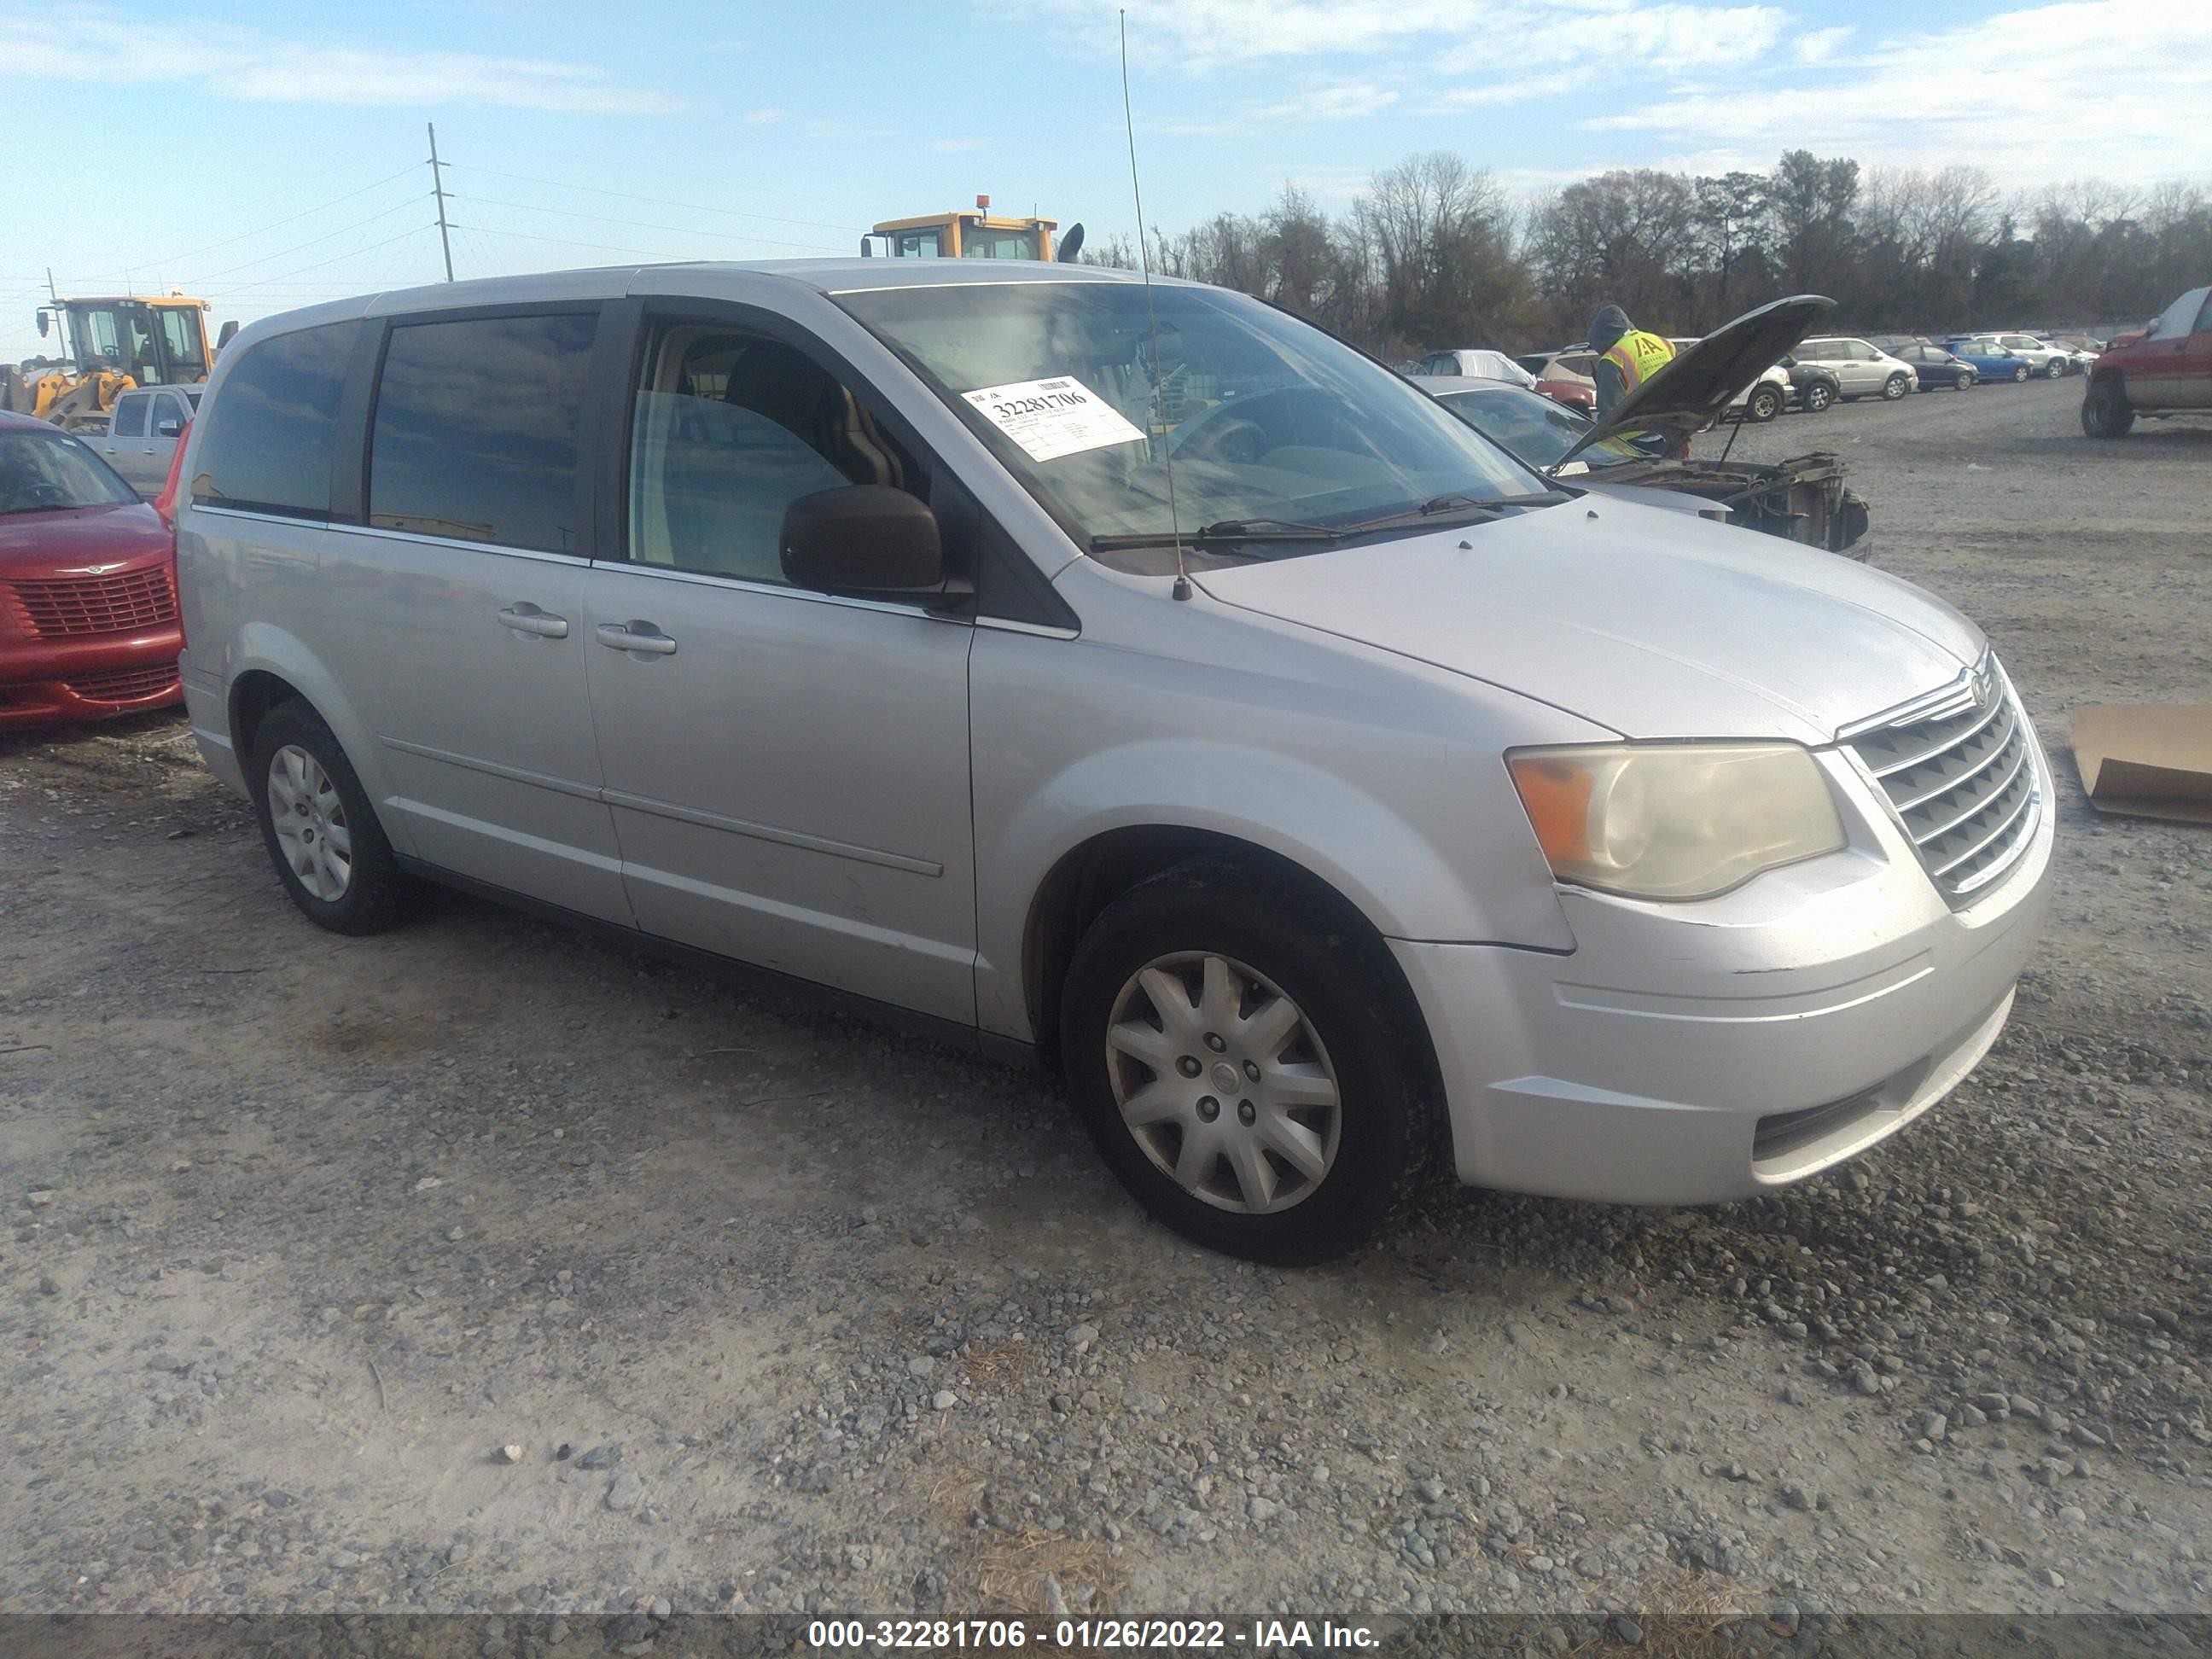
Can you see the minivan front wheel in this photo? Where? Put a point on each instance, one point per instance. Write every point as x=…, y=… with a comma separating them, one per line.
x=1895, y=388
x=321, y=834
x=1232, y=1058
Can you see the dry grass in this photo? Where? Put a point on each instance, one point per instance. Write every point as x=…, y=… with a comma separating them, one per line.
x=1687, y=1615
x=999, y=1572
x=999, y=1364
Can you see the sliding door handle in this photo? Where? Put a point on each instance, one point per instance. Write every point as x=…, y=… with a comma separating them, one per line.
x=527, y=618
x=640, y=636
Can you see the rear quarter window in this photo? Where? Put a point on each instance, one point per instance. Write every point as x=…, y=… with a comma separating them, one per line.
x=271, y=424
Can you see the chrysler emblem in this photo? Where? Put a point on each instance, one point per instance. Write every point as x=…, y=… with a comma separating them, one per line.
x=1981, y=688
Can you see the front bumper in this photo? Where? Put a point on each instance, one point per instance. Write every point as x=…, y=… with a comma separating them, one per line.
x=50, y=683
x=1690, y=1053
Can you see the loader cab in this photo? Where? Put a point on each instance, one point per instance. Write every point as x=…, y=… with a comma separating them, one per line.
x=158, y=341
x=969, y=234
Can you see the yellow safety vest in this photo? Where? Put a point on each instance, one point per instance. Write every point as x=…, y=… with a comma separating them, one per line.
x=1639, y=356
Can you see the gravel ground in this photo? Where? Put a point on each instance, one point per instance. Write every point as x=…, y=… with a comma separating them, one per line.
x=482, y=1267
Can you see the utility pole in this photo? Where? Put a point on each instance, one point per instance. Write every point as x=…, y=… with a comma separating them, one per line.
x=438, y=189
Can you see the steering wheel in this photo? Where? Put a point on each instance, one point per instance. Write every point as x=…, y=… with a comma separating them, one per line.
x=1231, y=439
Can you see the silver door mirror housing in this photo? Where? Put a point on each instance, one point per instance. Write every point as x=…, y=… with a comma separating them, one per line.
x=169, y=430
x=865, y=540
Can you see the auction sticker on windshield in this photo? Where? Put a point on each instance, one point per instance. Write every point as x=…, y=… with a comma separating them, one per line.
x=1051, y=418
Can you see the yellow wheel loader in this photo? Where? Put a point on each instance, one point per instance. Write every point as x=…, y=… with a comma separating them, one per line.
x=107, y=346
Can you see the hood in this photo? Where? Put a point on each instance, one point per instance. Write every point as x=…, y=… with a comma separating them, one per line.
x=70, y=539
x=1692, y=392
x=1654, y=624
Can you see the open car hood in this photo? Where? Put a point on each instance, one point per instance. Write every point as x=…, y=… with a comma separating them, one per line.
x=1692, y=392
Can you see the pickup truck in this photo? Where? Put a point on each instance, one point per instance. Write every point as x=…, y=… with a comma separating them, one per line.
x=141, y=434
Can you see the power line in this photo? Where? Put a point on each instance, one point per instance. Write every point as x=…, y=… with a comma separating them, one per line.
x=640, y=224
x=562, y=241
x=412, y=202
x=193, y=254
x=657, y=201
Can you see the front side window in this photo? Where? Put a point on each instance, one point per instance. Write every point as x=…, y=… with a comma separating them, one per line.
x=917, y=245
x=1085, y=398
x=40, y=472
x=180, y=339
x=475, y=432
x=130, y=420
x=728, y=430
x=168, y=410
x=272, y=425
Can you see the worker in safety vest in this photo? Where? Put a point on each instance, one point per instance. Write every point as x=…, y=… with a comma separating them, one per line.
x=1628, y=356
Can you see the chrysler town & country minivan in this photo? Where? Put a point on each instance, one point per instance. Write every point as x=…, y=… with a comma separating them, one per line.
x=1172, y=693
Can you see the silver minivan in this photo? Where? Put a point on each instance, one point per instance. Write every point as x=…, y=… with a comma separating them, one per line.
x=1154, y=686
x=1861, y=368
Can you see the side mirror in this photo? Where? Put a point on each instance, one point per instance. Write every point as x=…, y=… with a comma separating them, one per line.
x=1788, y=362
x=228, y=332
x=867, y=540
x=169, y=430
x=1070, y=244
x=45, y=322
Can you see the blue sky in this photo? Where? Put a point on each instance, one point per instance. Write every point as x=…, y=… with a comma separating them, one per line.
x=264, y=155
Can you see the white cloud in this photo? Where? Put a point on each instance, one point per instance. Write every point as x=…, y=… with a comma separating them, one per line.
x=1200, y=36
x=1340, y=100
x=766, y=118
x=229, y=61
x=2116, y=86
x=1818, y=45
x=956, y=146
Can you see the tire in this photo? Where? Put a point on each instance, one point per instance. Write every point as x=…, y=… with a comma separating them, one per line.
x=2019, y=375
x=1763, y=405
x=300, y=778
x=1818, y=397
x=1354, y=1085
x=1895, y=388
x=2106, y=410
x=2057, y=368
x=1965, y=380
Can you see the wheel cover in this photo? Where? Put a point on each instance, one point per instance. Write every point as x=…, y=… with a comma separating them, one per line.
x=310, y=820
x=1222, y=1082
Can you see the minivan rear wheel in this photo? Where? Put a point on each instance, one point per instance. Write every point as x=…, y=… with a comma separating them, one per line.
x=1231, y=1049
x=321, y=834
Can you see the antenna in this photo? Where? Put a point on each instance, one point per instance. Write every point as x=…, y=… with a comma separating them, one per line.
x=1181, y=589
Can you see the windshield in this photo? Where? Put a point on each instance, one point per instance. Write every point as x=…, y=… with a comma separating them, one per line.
x=40, y=472
x=1534, y=428
x=1264, y=417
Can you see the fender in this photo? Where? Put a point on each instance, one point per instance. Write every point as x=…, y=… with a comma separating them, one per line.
x=1404, y=881
x=271, y=649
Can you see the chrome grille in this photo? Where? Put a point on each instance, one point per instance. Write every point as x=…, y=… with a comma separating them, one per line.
x=1958, y=768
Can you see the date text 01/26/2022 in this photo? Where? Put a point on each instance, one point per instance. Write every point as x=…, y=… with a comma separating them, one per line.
x=1257, y=1636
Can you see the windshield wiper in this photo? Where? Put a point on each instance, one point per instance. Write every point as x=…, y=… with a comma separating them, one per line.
x=1224, y=530
x=1437, y=506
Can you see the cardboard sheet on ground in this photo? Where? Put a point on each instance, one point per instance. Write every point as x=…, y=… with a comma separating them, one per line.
x=2153, y=760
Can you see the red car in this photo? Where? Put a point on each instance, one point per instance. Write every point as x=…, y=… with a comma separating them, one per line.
x=2160, y=370
x=89, y=626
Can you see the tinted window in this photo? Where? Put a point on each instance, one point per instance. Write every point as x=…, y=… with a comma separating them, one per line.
x=271, y=424
x=167, y=407
x=729, y=430
x=130, y=420
x=475, y=433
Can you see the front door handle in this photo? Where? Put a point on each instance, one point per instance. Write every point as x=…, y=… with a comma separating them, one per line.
x=635, y=636
x=527, y=618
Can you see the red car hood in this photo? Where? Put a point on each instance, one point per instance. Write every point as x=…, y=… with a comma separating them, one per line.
x=76, y=540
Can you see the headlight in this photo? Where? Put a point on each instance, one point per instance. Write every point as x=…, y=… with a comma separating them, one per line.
x=1674, y=822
